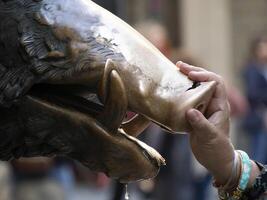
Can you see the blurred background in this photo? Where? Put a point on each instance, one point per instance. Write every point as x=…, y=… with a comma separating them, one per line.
x=228, y=37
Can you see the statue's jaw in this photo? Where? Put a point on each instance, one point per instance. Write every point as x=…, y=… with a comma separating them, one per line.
x=129, y=159
x=78, y=126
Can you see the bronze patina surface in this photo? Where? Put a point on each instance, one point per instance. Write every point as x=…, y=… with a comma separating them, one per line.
x=70, y=71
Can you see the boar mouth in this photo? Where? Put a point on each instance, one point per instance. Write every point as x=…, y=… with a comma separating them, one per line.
x=83, y=102
x=75, y=97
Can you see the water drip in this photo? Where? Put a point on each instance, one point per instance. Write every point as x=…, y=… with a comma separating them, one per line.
x=127, y=196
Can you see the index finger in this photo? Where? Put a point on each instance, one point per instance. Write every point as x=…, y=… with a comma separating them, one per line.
x=204, y=76
x=186, y=68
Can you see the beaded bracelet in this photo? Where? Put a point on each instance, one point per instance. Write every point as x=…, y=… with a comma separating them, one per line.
x=246, y=167
x=236, y=170
x=244, y=179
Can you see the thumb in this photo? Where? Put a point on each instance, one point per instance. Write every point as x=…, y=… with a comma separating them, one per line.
x=198, y=122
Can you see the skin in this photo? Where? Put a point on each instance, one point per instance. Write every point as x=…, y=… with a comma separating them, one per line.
x=209, y=137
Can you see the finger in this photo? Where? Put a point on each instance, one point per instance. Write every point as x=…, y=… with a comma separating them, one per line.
x=186, y=68
x=217, y=105
x=218, y=117
x=199, y=123
x=204, y=76
x=220, y=91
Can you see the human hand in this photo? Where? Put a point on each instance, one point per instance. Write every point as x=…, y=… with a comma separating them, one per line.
x=209, y=138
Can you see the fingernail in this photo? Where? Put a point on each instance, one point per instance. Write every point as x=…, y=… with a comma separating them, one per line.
x=179, y=63
x=192, y=116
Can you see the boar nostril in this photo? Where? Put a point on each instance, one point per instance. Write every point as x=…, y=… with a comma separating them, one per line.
x=195, y=85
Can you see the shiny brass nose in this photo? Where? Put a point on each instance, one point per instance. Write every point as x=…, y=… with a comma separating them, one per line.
x=202, y=96
x=198, y=98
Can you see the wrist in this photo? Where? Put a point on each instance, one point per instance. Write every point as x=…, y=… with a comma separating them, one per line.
x=246, y=173
x=233, y=177
x=224, y=171
x=223, y=176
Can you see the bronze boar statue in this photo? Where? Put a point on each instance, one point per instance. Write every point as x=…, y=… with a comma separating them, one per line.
x=69, y=73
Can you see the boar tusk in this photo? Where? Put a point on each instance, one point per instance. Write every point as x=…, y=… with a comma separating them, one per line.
x=115, y=99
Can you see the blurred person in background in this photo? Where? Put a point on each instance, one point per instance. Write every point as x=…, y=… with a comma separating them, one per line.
x=255, y=83
x=5, y=181
x=38, y=179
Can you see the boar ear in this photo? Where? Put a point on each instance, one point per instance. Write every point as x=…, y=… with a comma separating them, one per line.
x=39, y=42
